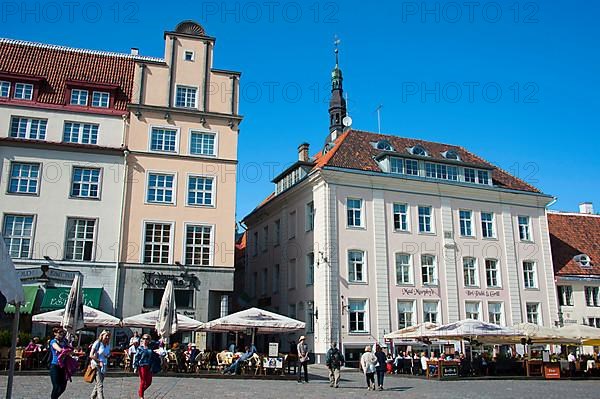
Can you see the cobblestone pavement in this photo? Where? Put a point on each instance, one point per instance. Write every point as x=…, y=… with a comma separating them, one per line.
x=352, y=386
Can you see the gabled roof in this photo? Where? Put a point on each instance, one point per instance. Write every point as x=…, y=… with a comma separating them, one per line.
x=573, y=234
x=58, y=65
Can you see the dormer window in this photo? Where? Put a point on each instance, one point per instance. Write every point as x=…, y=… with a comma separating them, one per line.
x=185, y=97
x=451, y=154
x=100, y=99
x=79, y=97
x=23, y=91
x=418, y=150
x=384, y=145
x=188, y=55
x=4, y=89
x=583, y=260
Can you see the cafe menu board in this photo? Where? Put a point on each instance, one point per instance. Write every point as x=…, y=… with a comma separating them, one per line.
x=273, y=349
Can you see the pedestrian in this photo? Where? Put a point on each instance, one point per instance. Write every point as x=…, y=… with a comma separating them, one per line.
x=141, y=364
x=380, y=369
x=424, y=360
x=99, y=360
x=57, y=373
x=368, y=363
x=334, y=361
x=572, y=364
x=302, y=359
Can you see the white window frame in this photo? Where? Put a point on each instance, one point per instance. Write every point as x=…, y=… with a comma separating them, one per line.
x=75, y=239
x=365, y=301
x=24, y=87
x=434, y=275
x=211, y=245
x=277, y=231
x=192, y=53
x=563, y=297
x=470, y=272
x=309, y=222
x=101, y=94
x=78, y=97
x=173, y=189
x=474, y=176
x=538, y=313
x=431, y=219
x=524, y=228
x=310, y=268
x=292, y=224
x=27, y=178
x=81, y=126
x=487, y=225
x=466, y=225
x=21, y=237
x=403, y=218
x=478, y=305
x=29, y=134
x=437, y=311
x=352, y=267
x=208, y=133
x=5, y=86
x=171, y=239
x=187, y=87
x=89, y=183
x=500, y=322
x=497, y=271
x=592, y=296
x=354, y=211
x=412, y=312
x=530, y=282
x=213, y=191
x=409, y=265
x=265, y=238
x=163, y=151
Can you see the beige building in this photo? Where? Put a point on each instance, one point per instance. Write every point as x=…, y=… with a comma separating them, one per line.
x=180, y=205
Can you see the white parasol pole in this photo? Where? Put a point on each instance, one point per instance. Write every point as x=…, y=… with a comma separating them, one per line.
x=13, y=350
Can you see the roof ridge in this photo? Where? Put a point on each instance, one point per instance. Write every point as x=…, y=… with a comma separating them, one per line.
x=404, y=137
x=567, y=213
x=79, y=50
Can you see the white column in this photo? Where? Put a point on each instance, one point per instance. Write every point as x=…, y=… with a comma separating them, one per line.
x=382, y=291
x=512, y=267
x=449, y=260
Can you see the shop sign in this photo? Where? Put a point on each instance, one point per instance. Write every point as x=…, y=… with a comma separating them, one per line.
x=181, y=281
x=483, y=293
x=419, y=292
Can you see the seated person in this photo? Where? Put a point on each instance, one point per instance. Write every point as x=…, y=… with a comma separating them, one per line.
x=191, y=354
x=235, y=367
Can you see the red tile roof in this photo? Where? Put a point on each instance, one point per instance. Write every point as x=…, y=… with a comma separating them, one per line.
x=58, y=64
x=573, y=234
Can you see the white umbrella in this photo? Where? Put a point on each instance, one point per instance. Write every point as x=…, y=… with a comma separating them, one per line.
x=166, y=325
x=412, y=332
x=587, y=335
x=148, y=320
x=91, y=318
x=261, y=321
x=73, y=316
x=541, y=335
x=12, y=289
x=473, y=329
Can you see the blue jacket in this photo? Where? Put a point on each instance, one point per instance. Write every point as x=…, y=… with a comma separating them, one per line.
x=143, y=357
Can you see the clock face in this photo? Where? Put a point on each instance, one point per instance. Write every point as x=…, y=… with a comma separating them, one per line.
x=347, y=121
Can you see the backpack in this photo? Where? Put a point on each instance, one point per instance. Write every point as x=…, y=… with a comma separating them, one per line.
x=336, y=358
x=155, y=363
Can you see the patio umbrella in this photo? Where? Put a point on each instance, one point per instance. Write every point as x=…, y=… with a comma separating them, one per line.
x=420, y=330
x=586, y=335
x=148, y=320
x=91, y=318
x=73, y=316
x=260, y=321
x=540, y=334
x=473, y=329
x=12, y=290
x=166, y=324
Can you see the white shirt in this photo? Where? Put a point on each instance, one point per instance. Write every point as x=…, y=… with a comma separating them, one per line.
x=571, y=358
x=102, y=353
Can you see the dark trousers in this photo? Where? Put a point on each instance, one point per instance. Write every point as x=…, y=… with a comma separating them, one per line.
x=370, y=379
x=59, y=381
x=380, y=375
x=303, y=365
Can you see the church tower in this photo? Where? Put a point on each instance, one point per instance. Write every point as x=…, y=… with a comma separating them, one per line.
x=337, y=103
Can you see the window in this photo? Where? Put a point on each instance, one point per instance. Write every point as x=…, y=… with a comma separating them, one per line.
x=470, y=175
x=85, y=183
x=310, y=216
x=470, y=272
x=483, y=177
x=357, y=310
x=292, y=225
x=583, y=260
x=495, y=313
x=451, y=154
x=160, y=188
x=354, y=212
x=533, y=313
x=310, y=268
x=396, y=165
x=292, y=310
x=466, y=223
x=487, y=225
x=436, y=170
x=202, y=143
x=356, y=267
x=425, y=219
x=473, y=310
x=265, y=239
x=277, y=232
x=428, y=270
x=188, y=55
x=28, y=128
x=83, y=133
x=100, y=99
x=292, y=274
x=412, y=167
x=24, y=178
x=23, y=91
x=264, y=277
x=430, y=311
x=594, y=322
x=565, y=295
x=18, y=235
x=452, y=172
x=404, y=273
x=4, y=89
x=406, y=310
x=79, y=97
x=418, y=150
x=384, y=145
x=255, y=244
x=310, y=317
x=276, y=279
x=200, y=191
x=591, y=296
x=492, y=273
x=80, y=239
x=401, y=217
x=198, y=245
x=524, y=233
x=163, y=140
x=184, y=299
x=529, y=274
x=157, y=243
x=185, y=97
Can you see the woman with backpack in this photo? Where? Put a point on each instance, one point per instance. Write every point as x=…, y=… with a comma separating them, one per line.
x=368, y=363
x=99, y=355
x=141, y=364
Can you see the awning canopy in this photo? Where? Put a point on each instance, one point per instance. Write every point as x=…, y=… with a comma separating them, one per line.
x=261, y=321
x=587, y=335
x=91, y=318
x=148, y=320
x=30, y=295
x=56, y=298
x=473, y=329
x=412, y=332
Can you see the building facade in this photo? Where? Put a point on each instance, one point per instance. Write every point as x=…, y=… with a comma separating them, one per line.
x=378, y=232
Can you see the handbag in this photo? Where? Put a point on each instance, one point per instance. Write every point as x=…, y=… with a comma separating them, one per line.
x=90, y=374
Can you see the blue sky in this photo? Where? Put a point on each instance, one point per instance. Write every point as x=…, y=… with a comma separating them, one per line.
x=515, y=82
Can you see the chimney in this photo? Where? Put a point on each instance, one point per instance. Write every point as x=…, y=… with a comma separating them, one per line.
x=303, y=152
x=587, y=208
x=135, y=51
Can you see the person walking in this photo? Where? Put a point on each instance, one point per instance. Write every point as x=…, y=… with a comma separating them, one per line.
x=303, y=359
x=99, y=360
x=380, y=369
x=57, y=373
x=368, y=362
x=334, y=360
x=141, y=364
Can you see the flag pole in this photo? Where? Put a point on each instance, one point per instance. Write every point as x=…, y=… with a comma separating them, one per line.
x=13, y=349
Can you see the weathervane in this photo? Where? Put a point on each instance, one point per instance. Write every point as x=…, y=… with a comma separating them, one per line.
x=336, y=43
